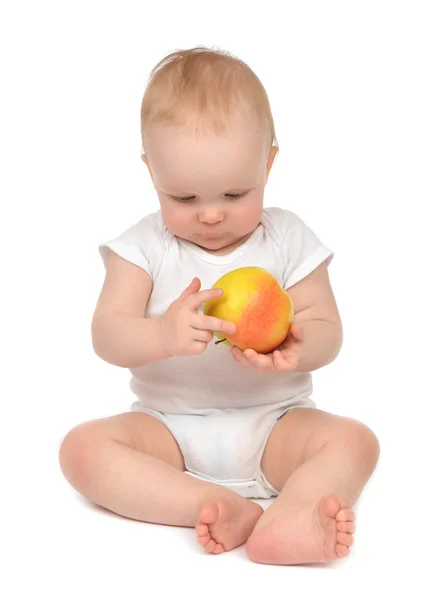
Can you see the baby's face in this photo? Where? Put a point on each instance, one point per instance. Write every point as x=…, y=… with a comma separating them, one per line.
x=210, y=188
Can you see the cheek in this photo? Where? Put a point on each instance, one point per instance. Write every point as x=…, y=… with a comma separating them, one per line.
x=250, y=211
x=175, y=218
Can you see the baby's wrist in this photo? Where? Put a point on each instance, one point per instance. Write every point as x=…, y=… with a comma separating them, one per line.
x=165, y=343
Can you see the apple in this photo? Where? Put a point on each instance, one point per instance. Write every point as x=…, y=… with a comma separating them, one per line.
x=256, y=303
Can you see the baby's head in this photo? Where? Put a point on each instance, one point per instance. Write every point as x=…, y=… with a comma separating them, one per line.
x=209, y=143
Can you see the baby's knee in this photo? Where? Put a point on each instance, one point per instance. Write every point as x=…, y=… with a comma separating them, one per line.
x=364, y=440
x=77, y=453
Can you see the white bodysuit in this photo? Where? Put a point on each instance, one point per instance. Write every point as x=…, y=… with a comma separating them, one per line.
x=219, y=412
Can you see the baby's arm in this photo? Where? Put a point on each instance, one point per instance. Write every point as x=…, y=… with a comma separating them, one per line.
x=317, y=313
x=120, y=333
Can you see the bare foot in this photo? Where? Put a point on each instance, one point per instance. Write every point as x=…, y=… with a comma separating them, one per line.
x=303, y=533
x=226, y=520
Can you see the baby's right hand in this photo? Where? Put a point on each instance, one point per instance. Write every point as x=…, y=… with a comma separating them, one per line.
x=183, y=330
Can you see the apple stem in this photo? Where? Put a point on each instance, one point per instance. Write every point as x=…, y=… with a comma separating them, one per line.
x=220, y=341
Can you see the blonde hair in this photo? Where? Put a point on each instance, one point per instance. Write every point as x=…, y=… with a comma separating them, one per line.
x=204, y=86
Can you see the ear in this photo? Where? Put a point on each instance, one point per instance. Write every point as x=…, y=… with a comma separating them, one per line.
x=144, y=158
x=272, y=156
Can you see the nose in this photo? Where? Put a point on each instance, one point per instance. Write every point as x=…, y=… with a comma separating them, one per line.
x=211, y=216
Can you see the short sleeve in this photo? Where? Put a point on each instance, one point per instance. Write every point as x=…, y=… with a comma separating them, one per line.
x=142, y=244
x=300, y=248
x=304, y=250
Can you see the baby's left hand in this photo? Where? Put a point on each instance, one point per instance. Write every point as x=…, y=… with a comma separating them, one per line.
x=282, y=360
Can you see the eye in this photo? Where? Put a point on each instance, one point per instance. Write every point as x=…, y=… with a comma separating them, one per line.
x=236, y=195
x=189, y=198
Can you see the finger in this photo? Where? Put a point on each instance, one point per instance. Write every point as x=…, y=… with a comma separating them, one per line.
x=296, y=331
x=284, y=344
x=260, y=361
x=193, y=287
x=195, y=300
x=290, y=357
x=203, y=335
x=212, y=324
x=239, y=357
x=198, y=347
x=282, y=364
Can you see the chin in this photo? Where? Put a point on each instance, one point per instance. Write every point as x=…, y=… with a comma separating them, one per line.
x=213, y=244
x=211, y=238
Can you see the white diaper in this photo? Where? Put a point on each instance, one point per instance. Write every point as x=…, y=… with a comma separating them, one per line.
x=225, y=446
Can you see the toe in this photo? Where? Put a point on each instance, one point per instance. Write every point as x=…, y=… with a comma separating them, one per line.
x=342, y=551
x=203, y=539
x=210, y=546
x=209, y=513
x=202, y=528
x=346, y=526
x=345, y=515
x=330, y=506
x=344, y=538
x=219, y=549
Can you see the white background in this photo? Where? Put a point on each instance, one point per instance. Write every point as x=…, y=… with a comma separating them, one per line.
x=351, y=86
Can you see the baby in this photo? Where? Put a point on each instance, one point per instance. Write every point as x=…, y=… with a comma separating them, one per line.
x=212, y=427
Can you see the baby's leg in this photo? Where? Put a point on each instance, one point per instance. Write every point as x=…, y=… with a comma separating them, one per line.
x=132, y=465
x=320, y=462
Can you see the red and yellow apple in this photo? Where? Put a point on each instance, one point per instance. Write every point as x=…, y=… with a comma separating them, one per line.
x=255, y=302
